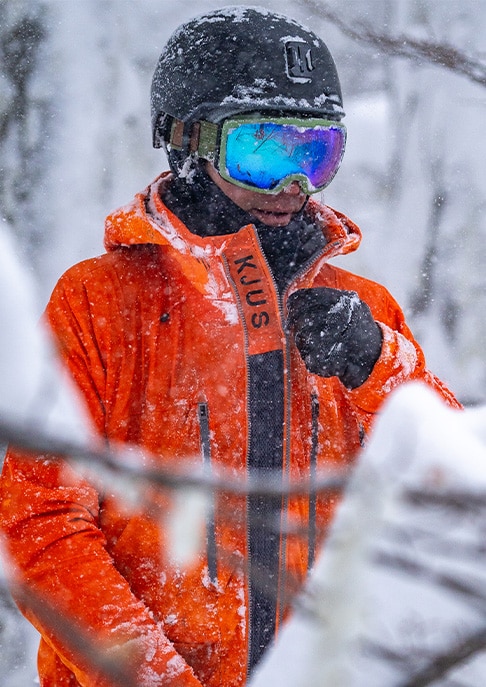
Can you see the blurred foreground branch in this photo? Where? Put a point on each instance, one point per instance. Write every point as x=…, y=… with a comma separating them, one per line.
x=111, y=665
x=128, y=463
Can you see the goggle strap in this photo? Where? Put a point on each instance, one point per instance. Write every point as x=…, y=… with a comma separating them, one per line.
x=194, y=138
x=176, y=138
x=203, y=139
x=207, y=139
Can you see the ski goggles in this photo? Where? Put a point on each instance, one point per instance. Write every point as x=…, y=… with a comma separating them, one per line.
x=265, y=155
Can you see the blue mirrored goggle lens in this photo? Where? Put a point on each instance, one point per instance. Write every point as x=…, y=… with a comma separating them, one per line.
x=263, y=154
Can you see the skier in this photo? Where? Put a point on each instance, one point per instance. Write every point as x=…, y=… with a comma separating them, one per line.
x=214, y=325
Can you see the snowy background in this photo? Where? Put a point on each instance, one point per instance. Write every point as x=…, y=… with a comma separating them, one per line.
x=75, y=143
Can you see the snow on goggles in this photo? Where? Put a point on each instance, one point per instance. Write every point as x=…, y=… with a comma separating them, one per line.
x=265, y=155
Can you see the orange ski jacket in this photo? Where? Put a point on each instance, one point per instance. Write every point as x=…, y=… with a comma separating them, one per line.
x=178, y=344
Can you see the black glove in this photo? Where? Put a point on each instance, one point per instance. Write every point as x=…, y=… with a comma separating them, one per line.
x=335, y=333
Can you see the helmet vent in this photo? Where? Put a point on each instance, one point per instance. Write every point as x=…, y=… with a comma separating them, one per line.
x=298, y=60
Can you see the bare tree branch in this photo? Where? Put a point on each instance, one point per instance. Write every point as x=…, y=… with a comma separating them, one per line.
x=424, y=294
x=443, y=662
x=404, y=565
x=455, y=499
x=402, y=45
x=127, y=464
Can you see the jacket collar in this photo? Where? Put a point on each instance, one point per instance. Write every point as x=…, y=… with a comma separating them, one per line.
x=146, y=220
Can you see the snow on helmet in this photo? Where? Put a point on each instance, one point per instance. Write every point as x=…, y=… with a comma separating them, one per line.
x=242, y=59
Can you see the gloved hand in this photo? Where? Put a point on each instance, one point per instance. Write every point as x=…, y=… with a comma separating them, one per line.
x=335, y=333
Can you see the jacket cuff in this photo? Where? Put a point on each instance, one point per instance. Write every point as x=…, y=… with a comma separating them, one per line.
x=399, y=362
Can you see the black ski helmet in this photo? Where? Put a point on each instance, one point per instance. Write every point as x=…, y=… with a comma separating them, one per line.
x=242, y=59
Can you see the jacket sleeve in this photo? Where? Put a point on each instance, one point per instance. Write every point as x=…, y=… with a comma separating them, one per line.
x=50, y=522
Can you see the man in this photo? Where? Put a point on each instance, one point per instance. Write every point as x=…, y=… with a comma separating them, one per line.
x=214, y=326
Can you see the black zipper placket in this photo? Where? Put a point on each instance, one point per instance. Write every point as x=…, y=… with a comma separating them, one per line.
x=282, y=572
x=311, y=551
x=211, y=552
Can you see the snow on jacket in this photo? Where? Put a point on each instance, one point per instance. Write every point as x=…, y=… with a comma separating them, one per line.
x=178, y=344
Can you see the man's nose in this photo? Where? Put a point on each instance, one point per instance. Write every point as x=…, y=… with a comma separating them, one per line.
x=293, y=188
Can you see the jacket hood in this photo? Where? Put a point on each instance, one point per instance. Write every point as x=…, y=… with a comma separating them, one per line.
x=146, y=220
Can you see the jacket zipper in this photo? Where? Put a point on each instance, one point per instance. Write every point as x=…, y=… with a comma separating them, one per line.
x=313, y=473
x=203, y=417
